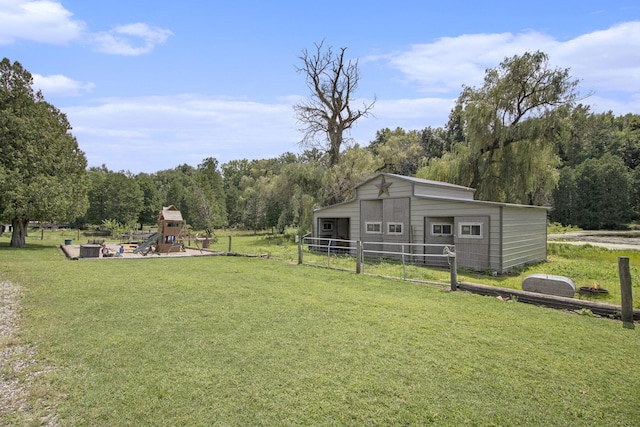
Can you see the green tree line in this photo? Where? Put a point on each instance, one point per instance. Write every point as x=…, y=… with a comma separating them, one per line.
x=595, y=160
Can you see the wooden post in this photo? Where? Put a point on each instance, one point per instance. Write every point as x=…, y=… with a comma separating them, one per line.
x=626, y=292
x=299, y=239
x=358, y=257
x=229, y=242
x=78, y=234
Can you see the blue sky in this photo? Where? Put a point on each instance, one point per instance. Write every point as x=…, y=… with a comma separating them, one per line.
x=150, y=85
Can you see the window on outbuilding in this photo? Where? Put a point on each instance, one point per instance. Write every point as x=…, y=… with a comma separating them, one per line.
x=441, y=229
x=327, y=226
x=394, y=228
x=373, y=227
x=471, y=230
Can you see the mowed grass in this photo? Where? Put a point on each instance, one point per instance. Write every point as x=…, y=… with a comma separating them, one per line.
x=246, y=341
x=585, y=265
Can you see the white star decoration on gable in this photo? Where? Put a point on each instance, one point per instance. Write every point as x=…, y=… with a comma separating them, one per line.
x=383, y=187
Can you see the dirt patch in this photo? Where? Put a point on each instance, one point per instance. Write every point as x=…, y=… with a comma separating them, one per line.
x=73, y=252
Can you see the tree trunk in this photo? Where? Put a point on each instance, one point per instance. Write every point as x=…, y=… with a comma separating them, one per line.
x=19, y=235
x=334, y=156
x=335, y=142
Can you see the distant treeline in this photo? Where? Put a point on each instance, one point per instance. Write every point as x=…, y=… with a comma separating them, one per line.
x=589, y=176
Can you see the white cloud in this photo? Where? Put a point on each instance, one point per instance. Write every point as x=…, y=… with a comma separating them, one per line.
x=41, y=21
x=46, y=21
x=152, y=133
x=600, y=104
x=446, y=64
x=131, y=39
x=59, y=85
x=604, y=60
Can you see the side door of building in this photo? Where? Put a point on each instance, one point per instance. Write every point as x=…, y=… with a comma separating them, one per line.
x=471, y=237
x=438, y=233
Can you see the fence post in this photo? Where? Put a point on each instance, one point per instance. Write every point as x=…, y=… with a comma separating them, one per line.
x=626, y=292
x=299, y=239
x=358, y=256
x=329, y=254
x=453, y=267
x=404, y=268
x=229, y=242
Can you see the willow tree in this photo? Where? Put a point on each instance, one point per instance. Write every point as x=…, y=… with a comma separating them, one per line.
x=510, y=125
x=398, y=151
x=42, y=170
x=328, y=113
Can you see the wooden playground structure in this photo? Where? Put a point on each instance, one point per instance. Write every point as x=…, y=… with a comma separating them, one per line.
x=168, y=239
x=169, y=236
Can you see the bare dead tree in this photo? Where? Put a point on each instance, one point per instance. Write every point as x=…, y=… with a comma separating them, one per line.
x=327, y=113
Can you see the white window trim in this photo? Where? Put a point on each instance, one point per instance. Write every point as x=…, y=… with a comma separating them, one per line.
x=401, y=224
x=366, y=227
x=470, y=236
x=327, y=226
x=441, y=224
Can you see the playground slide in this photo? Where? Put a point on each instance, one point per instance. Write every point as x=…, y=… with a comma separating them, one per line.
x=150, y=241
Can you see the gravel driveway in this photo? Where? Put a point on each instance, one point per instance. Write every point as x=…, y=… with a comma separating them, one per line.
x=622, y=240
x=18, y=368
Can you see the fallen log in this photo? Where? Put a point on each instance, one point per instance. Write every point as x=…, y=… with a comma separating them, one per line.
x=247, y=255
x=551, y=301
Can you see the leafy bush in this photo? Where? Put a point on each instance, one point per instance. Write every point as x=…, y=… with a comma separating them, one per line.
x=558, y=228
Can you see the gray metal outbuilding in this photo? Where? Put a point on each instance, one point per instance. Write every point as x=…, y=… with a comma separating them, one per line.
x=399, y=209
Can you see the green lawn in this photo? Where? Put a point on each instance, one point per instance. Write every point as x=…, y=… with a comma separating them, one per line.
x=248, y=341
x=585, y=265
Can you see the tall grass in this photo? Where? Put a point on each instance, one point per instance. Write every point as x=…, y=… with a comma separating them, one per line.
x=249, y=341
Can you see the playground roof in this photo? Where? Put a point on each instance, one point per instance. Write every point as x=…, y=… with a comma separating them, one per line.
x=171, y=213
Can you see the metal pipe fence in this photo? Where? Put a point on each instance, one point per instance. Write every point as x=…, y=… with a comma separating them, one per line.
x=355, y=255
